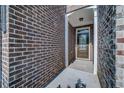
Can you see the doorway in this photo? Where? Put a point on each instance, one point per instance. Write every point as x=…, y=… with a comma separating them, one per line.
x=82, y=43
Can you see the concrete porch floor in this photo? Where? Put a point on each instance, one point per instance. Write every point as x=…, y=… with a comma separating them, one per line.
x=83, y=65
x=78, y=69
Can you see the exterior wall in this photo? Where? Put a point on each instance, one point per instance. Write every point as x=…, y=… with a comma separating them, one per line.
x=71, y=45
x=120, y=46
x=36, y=45
x=106, y=45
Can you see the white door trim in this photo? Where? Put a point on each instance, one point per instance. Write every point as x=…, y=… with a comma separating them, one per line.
x=66, y=40
x=76, y=42
x=95, y=41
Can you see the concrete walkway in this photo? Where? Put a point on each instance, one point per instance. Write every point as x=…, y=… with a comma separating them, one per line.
x=72, y=73
x=82, y=65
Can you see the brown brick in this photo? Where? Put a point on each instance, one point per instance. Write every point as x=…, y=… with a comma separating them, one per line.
x=15, y=54
x=34, y=45
x=15, y=45
x=15, y=36
x=120, y=40
x=120, y=52
x=20, y=23
x=20, y=49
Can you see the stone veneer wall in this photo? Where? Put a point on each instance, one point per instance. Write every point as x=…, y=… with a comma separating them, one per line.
x=106, y=45
x=34, y=53
x=71, y=45
x=120, y=46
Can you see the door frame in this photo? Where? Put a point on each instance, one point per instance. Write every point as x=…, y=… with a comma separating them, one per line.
x=76, y=42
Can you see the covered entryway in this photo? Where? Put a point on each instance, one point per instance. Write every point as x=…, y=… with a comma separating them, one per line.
x=80, y=51
x=81, y=26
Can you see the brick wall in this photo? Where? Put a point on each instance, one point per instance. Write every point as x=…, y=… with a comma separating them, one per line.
x=120, y=46
x=36, y=45
x=71, y=45
x=106, y=45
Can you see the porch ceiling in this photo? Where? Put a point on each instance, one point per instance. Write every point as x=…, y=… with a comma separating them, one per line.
x=86, y=14
x=70, y=8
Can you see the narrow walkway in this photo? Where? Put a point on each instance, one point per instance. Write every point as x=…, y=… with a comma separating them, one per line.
x=74, y=72
x=82, y=65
